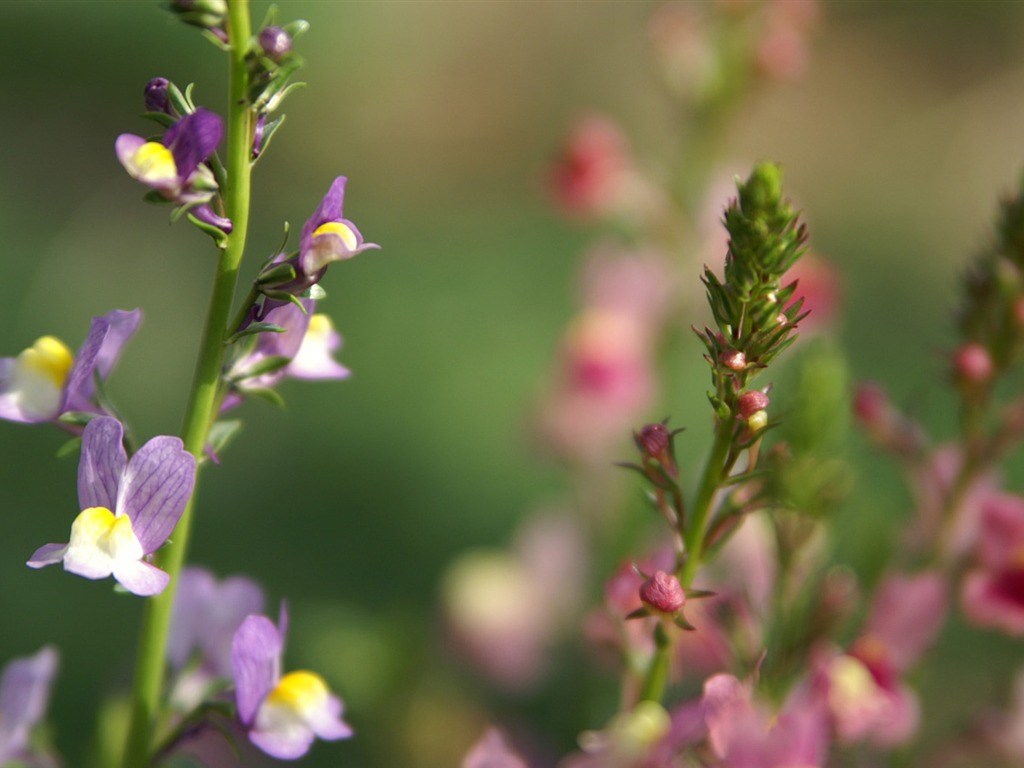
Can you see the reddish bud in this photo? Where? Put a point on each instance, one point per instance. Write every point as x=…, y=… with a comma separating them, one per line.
x=655, y=443
x=972, y=364
x=663, y=593
x=733, y=359
x=751, y=402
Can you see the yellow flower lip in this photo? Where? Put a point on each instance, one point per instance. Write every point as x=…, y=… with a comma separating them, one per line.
x=342, y=230
x=301, y=692
x=48, y=357
x=153, y=163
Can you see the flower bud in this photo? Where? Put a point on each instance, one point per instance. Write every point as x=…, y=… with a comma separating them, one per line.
x=275, y=42
x=972, y=364
x=662, y=593
x=733, y=359
x=156, y=96
x=751, y=402
x=206, y=14
x=658, y=454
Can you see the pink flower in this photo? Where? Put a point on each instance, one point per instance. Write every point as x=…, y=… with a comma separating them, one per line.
x=743, y=733
x=605, y=381
x=589, y=175
x=993, y=593
x=492, y=751
x=865, y=692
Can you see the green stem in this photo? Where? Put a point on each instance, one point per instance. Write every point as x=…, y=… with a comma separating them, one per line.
x=200, y=412
x=657, y=672
x=701, y=511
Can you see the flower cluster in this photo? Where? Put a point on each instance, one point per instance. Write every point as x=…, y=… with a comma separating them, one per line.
x=220, y=655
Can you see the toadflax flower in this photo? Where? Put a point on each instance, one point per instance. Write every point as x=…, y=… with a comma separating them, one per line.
x=45, y=380
x=283, y=715
x=327, y=236
x=205, y=616
x=129, y=508
x=304, y=348
x=24, y=691
x=174, y=166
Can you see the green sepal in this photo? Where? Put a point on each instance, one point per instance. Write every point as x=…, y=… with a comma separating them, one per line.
x=77, y=418
x=277, y=275
x=265, y=366
x=71, y=446
x=222, y=433
x=261, y=327
x=154, y=196
x=639, y=613
x=264, y=393
x=161, y=118
x=296, y=28
x=682, y=623
x=285, y=296
x=220, y=238
x=216, y=41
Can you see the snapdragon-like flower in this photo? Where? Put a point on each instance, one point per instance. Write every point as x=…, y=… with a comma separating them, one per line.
x=304, y=348
x=327, y=236
x=45, y=380
x=174, y=166
x=206, y=615
x=283, y=715
x=129, y=508
x=24, y=691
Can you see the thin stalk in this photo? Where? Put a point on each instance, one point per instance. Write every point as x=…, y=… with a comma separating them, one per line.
x=710, y=481
x=200, y=411
x=657, y=673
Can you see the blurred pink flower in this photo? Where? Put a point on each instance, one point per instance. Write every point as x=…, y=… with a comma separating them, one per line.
x=492, y=750
x=590, y=172
x=605, y=380
x=505, y=609
x=782, y=52
x=743, y=733
x=993, y=592
x=865, y=692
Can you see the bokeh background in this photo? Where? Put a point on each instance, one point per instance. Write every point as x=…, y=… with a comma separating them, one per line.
x=897, y=143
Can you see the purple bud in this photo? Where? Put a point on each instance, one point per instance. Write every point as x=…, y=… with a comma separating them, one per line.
x=663, y=593
x=275, y=42
x=206, y=215
x=156, y=96
x=257, y=136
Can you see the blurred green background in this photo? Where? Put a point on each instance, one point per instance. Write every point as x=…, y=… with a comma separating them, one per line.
x=896, y=144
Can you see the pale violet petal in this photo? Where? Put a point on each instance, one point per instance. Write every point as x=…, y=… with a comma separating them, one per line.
x=48, y=554
x=155, y=488
x=140, y=578
x=255, y=663
x=101, y=464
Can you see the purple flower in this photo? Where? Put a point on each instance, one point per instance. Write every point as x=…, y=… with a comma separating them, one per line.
x=206, y=615
x=129, y=508
x=45, y=381
x=327, y=236
x=283, y=715
x=24, y=691
x=174, y=166
x=307, y=343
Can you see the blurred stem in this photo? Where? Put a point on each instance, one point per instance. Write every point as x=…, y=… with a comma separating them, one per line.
x=657, y=672
x=701, y=513
x=200, y=412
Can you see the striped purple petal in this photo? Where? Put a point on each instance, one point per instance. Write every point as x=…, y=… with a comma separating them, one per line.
x=97, y=355
x=155, y=487
x=102, y=463
x=255, y=663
